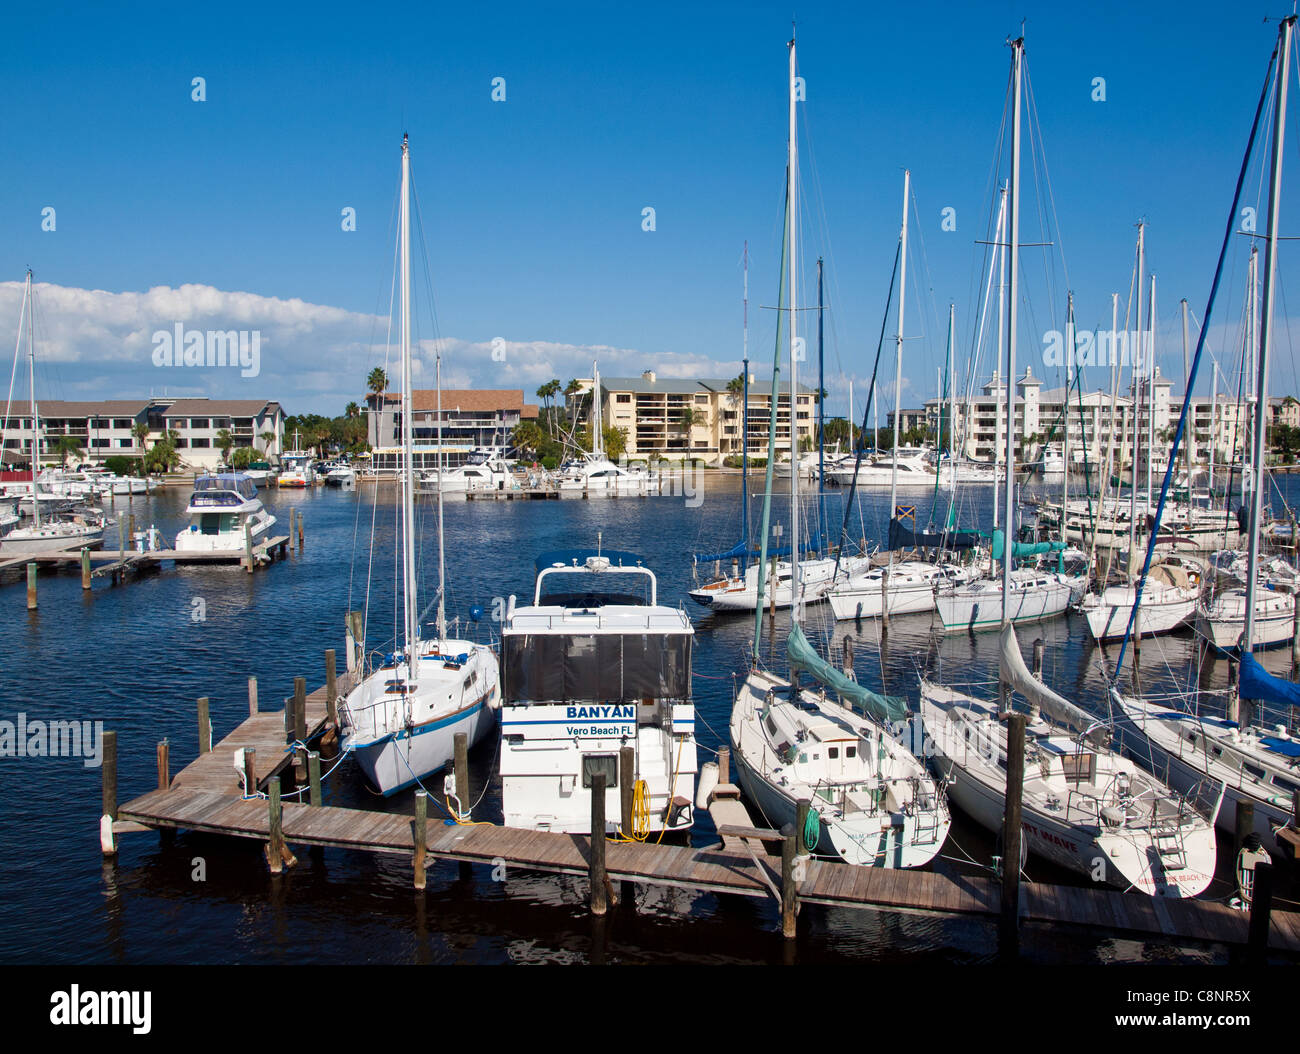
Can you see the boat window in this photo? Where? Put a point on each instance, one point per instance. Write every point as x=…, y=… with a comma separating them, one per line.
x=594, y=763
x=832, y=752
x=1258, y=773
x=628, y=667
x=771, y=725
x=850, y=752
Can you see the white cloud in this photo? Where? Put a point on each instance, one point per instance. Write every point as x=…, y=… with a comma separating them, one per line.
x=92, y=343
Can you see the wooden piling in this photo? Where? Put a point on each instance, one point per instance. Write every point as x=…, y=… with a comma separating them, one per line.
x=252, y=696
x=626, y=789
x=1261, y=907
x=1038, y=658
x=460, y=746
x=130, y=529
x=789, y=892
x=31, y=586
x=596, y=864
x=884, y=600
x=331, y=688
x=724, y=765
x=248, y=547
x=275, y=850
x=164, y=766
x=250, y=772
x=1295, y=642
x=108, y=791
x=1011, y=827
x=300, y=725
x=205, y=726
x=1245, y=824
x=313, y=777
x=421, y=835
x=292, y=513
x=804, y=806
x=85, y=568
x=300, y=534
x=848, y=656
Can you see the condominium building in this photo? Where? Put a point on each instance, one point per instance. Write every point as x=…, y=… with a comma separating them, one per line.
x=471, y=420
x=705, y=419
x=129, y=427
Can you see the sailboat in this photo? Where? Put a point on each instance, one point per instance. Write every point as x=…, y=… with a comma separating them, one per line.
x=871, y=801
x=51, y=535
x=1256, y=765
x=1084, y=805
x=401, y=720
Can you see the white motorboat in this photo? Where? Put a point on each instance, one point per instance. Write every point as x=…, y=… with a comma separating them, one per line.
x=482, y=471
x=595, y=665
x=297, y=469
x=340, y=474
x=911, y=587
x=915, y=469
x=226, y=516
x=400, y=722
x=977, y=473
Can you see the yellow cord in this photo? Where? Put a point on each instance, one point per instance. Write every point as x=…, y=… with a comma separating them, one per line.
x=455, y=815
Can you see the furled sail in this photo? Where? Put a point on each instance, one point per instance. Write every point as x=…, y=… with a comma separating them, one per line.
x=803, y=656
x=1059, y=709
x=1255, y=682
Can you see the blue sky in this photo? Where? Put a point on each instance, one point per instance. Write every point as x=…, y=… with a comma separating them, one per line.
x=532, y=207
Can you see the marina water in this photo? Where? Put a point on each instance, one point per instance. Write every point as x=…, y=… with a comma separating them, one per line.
x=137, y=656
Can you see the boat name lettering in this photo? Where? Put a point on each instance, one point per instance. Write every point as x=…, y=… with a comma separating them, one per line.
x=600, y=713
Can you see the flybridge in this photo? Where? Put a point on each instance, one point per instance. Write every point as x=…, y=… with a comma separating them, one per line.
x=589, y=578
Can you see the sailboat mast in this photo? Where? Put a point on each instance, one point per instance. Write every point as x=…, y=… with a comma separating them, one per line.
x=1187, y=378
x=792, y=191
x=1266, y=325
x=1151, y=387
x=952, y=393
x=36, y=417
x=1002, y=297
x=408, y=476
x=898, y=347
x=597, y=433
x=1013, y=300
x=442, y=556
x=744, y=423
x=821, y=411
x=1065, y=439
x=1138, y=367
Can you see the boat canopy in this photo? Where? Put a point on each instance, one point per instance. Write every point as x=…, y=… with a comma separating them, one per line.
x=221, y=489
x=595, y=667
x=1016, y=674
x=1255, y=682
x=803, y=656
x=1023, y=549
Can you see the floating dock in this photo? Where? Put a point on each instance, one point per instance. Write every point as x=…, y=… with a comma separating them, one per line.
x=208, y=796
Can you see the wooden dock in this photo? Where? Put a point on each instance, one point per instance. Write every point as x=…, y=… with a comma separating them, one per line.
x=208, y=796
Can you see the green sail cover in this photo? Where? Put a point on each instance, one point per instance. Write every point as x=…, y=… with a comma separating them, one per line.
x=803, y=656
x=1022, y=549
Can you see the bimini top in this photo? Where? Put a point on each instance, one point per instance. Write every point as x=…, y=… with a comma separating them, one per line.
x=225, y=488
x=585, y=578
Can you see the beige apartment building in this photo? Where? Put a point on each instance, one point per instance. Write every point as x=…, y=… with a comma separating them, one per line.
x=674, y=417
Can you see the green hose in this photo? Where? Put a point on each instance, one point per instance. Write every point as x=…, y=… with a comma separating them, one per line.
x=812, y=830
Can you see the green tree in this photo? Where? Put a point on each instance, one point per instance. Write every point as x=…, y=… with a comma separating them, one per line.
x=377, y=381
x=225, y=441
x=66, y=447
x=615, y=442
x=267, y=439
x=545, y=393
x=140, y=430
x=528, y=436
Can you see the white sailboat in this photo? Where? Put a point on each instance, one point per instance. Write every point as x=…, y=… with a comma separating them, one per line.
x=1084, y=806
x=871, y=802
x=51, y=535
x=401, y=720
x=1186, y=736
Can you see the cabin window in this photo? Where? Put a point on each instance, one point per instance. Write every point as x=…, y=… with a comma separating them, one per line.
x=1258, y=773
x=771, y=726
x=1079, y=768
x=832, y=752
x=594, y=763
x=850, y=752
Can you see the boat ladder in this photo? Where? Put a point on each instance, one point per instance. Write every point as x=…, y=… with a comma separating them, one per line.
x=1168, y=840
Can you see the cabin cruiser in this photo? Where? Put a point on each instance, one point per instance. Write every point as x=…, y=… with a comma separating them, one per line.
x=224, y=512
x=594, y=666
x=915, y=469
x=600, y=477
x=482, y=471
x=339, y=474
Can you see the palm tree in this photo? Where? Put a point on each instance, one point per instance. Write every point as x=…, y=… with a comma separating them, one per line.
x=527, y=435
x=224, y=443
x=65, y=447
x=544, y=393
x=570, y=390
x=267, y=439
x=352, y=410
x=377, y=381
x=141, y=432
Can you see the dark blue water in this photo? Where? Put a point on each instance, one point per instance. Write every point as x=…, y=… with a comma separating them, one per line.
x=137, y=656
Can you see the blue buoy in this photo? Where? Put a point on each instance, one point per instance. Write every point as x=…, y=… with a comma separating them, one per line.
x=476, y=612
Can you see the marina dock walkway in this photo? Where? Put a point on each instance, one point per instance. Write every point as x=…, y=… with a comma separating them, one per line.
x=207, y=796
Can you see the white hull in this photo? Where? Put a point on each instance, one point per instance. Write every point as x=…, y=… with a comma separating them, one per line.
x=30, y=540
x=979, y=605
x=1223, y=621
x=1108, y=614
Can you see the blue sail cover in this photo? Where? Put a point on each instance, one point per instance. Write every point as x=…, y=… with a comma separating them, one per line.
x=813, y=545
x=901, y=537
x=803, y=656
x=1255, y=682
